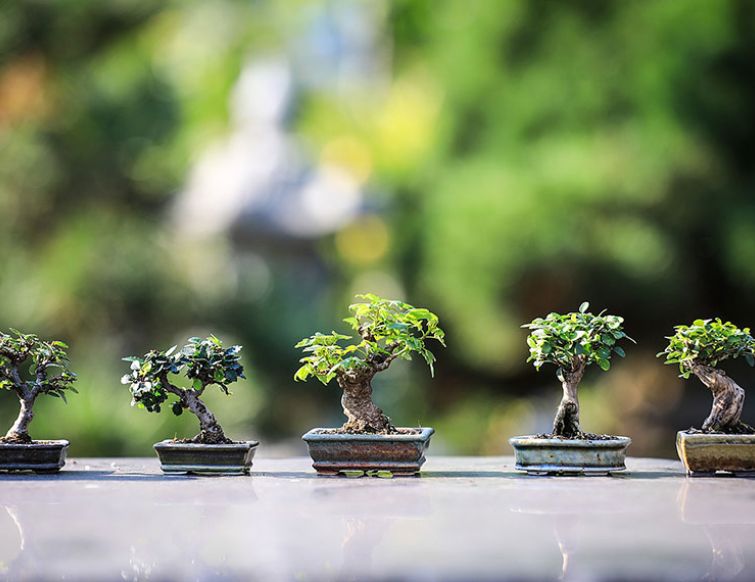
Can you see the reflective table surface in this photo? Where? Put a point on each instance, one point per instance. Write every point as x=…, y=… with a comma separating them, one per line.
x=465, y=518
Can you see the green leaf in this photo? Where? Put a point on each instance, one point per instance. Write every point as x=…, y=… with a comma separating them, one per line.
x=584, y=307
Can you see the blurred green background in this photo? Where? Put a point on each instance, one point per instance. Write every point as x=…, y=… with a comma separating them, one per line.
x=243, y=168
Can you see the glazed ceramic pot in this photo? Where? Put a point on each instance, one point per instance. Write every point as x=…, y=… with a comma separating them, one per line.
x=37, y=456
x=178, y=458
x=549, y=456
x=704, y=455
x=401, y=454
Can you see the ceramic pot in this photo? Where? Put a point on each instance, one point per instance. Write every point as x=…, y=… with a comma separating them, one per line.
x=548, y=456
x=37, y=456
x=401, y=454
x=704, y=455
x=201, y=459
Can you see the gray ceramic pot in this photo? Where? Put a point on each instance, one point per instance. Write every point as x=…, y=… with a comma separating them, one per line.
x=705, y=454
x=224, y=459
x=38, y=456
x=401, y=454
x=540, y=456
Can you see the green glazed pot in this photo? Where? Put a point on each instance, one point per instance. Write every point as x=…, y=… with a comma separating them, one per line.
x=37, y=456
x=543, y=456
x=704, y=455
x=200, y=459
x=401, y=454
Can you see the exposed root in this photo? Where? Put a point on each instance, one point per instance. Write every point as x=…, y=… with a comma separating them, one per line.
x=16, y=439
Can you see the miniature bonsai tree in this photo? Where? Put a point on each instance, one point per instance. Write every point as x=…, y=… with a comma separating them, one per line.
x=572, y=342
x=204, y=362
x=387, y=330
x=48, y=370
x=698, y=349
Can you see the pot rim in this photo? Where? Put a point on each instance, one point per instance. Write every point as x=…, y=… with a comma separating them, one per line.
x=715, y=438
x=41, y=444
x=424, y=434
x=169, y=444
x=534, y=441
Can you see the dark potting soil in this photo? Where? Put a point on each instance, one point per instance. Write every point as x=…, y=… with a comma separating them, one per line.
x=582, y=436
x=742, y=428
x=389, y=431
x=198, y=442
x=13, y=441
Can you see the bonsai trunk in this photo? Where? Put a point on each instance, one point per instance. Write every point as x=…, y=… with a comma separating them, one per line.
x=19, y=432
x=566, y=423
x=210, y=433
x=362, y=414
x=728, y=401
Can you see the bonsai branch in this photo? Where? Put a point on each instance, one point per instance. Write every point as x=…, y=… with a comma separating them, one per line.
x=381, y=362
x=728, y=401
x=566, y=423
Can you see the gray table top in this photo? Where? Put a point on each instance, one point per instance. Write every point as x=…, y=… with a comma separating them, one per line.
x=465, y=518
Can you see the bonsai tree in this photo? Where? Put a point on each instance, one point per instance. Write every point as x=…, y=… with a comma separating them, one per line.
x=387, y=330
x=204, y=362
x=47, y=364
x=572, y=342
x=698, y=349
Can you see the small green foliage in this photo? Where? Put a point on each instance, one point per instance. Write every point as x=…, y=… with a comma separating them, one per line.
x=387, y=329
x=561, y=339
x=203, y=361
x=708, y=342
x=18, y=349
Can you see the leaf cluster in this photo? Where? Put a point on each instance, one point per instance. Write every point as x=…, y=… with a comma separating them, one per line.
x=43, y=357
x=707, y=342
x=203, y=361
x=565, y=339
x=387, y=330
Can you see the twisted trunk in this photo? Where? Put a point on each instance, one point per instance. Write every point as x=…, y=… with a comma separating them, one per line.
x=210, y=433
x=360, y=410
x=566, y=423
x=19, y=432
x=728, y=401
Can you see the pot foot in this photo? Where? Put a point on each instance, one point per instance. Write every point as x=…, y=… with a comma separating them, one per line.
x=701, y=473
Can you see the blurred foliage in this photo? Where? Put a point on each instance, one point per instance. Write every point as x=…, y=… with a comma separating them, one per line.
x=516, y=157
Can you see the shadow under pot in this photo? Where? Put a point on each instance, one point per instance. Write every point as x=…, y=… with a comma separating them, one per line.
x=38, y=456
x=705, y=455
x=178, y=458
x=402, y=453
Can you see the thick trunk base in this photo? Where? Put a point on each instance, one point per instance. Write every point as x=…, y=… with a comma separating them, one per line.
x=566, y=423
x=211, y=438
x=363, y=416
x=728, y=401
